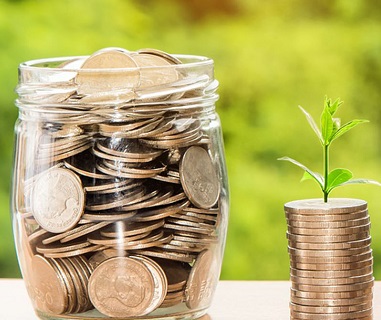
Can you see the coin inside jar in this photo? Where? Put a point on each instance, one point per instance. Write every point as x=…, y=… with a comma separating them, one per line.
x=198, y=177
x=58, y=200
x=108, y=284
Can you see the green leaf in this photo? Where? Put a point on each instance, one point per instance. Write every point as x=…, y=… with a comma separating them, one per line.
x=307, y=176
x=316, y=176
x=337, y=177
x=336, y=124
x=332, y=107
x=327, y=126
x=361, y=181
x=346, y=127
x=313, y=124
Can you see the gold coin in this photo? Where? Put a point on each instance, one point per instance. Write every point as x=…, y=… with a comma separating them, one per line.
x=113, y=201
x=176, y=273
x=155, y=240
x=46, y=287
x=97, y=258
x=108, y=283
x=198, y=230
x=331, y=310
x=97, y=238
x=333, y=288
x=359, y=315
x=48, y=159
x=331, y=294
x=202, y=281
x=329, y=225
x=328, y=238
x=329, y=232
x=170, y=58
x=81, y=296
x=125, y=76
x=333, y=260
x=59, y=247
x=124, y=229
x=75, y=252
x=116, y=127
x=327, y=217
x=160, y=282
x=330, y=246
x=61, y=270
x=331, y=273
x=317, y=206
x=86, y=172
x=58, y=200
x=332, y=281
x=327, y=253
x=161, y=213
x=83, y=275
x=154, y=70
x=159, y=253
x=75, y=233
x=331, y=302
x=108, y=216
x=332, y=266
x=102, y=186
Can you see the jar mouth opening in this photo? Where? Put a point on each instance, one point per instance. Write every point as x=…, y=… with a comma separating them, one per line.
x=58, y=64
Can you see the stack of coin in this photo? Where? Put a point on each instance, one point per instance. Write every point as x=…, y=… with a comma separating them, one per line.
x=124, y=204
x=331, y=263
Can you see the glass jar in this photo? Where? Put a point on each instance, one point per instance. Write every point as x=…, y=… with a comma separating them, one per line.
x=120, y=194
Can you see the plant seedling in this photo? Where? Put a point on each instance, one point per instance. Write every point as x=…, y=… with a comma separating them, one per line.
x=330, y=129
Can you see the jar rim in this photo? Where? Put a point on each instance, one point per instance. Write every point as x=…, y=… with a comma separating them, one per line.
x=53, y=64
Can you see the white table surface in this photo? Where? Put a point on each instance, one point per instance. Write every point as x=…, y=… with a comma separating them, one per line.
x=234, y=300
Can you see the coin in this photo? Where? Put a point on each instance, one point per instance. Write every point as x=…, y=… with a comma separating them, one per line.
x=331, y=295
x=46, y=287
x=334, y=206
x=334, y=288
x=330, y=231
x=331, y=273
x=327, y=217
x=332, y=281
x=97, y=258
x=58, y=200
x=97, y=80
x=328, y=238
x=338, y=316
x=330, y=246
x=121, y=287
x=177, y=273
x=202, y=281
x=198, y=177
x=122, y=228
x=160, y=282
x=327, y=225
x=334, y=260
x=331, y=302
x=327, y=253
x=332, y=266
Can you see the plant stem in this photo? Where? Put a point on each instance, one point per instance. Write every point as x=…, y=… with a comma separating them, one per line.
x=326, y=171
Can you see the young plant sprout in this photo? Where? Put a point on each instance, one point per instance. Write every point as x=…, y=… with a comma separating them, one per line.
x=330, y=130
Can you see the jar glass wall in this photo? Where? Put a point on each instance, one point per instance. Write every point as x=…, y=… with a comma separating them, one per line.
x=120, y=194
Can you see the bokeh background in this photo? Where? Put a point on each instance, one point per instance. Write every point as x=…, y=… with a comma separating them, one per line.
x=270, y=56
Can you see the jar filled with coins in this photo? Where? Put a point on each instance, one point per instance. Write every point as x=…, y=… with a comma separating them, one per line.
x=120, y=195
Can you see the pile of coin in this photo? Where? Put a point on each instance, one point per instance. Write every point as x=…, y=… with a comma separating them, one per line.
x=331, y=263
x=121, y=201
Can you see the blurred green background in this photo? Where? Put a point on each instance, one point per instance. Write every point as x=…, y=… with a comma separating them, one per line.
x=270, y=56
